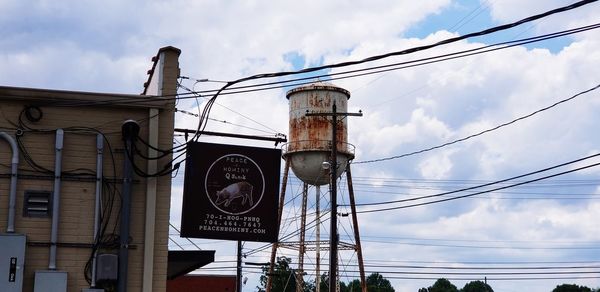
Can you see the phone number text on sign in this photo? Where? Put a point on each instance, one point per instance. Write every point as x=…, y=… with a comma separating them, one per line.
x=229, y=223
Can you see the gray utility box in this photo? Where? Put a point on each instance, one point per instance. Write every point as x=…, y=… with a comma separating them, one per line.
x=107, y=267
x=12, y=259
x=50, y=281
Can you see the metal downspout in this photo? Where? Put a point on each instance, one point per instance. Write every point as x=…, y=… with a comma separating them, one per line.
x=130, y=131
x=97, y=211
x=10, y=228
x=56, y=198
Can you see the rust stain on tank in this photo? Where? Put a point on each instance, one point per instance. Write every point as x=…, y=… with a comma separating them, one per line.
x=310, y=140
x=313, y=133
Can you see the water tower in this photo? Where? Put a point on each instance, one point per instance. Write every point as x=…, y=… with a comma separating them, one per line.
x=309, y=149
x=318, y=128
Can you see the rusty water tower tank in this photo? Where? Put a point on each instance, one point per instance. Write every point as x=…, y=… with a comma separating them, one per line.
x=309, y=146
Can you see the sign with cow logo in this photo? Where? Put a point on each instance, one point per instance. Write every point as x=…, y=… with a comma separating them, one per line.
x=231, y=192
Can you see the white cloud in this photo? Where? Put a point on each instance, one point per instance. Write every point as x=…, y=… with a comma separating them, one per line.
x=436, y=166
x=106, y=46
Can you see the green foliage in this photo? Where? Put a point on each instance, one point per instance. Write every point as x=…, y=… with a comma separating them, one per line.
x=476, y=286
x=571, y=288
x=441, y=285
x=377, y=283
x=284, y=278
x=324, y=283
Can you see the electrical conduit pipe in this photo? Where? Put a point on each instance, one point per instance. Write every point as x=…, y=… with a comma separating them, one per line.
x=56, y=198
x=10, y=226
x=97, y=211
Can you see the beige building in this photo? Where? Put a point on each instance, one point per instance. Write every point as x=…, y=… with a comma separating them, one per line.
x=33, y=121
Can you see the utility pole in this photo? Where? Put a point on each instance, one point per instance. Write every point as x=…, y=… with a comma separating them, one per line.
x=333, y=236
x=238, y=278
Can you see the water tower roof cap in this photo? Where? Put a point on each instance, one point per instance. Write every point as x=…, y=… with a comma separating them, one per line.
x=318, y=86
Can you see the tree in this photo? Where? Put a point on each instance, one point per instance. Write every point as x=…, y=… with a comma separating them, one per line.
x=441, y=285
x=477, y=286
x=571, y=288
x=284, y=278
x=377, y=283
x=324, y=282
x=352, y=286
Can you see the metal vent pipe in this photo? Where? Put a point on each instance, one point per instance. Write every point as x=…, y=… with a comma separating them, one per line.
x=97, y=210
x=10, y=228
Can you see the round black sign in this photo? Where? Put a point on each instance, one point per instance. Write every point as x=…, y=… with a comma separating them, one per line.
x=234, y=184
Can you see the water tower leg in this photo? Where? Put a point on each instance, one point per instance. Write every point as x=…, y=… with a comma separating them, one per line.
x=318, y=234
x=279, y=214
x=302, y=247
x=361, y=266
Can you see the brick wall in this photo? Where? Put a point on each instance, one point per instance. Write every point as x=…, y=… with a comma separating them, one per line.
x=75, y=233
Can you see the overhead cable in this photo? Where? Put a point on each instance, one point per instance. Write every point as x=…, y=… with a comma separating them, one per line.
x=402, y=65
x=483, y=192
x=482, y=132
x=481, y=185
x=340, y=75
x=228, y=86
x=207, y=109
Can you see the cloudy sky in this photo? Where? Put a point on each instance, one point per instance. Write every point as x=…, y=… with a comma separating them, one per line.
x=106, y=46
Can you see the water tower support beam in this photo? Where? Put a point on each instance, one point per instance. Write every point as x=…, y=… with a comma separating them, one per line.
x=361, y=267
x=279, y=214
x=333, y=260
x=334, y=239
x=318, y=245
x=302, y=247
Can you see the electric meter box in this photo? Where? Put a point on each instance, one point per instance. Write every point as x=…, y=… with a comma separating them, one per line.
x=12, y=259
x=50, y=281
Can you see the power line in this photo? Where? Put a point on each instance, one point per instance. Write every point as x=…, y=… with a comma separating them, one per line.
x=470, y=16
x=484, y=185
x=480, y=273
x=415, y=49
x=402, y=65
x=489, y=279
x=483, y=267
x=486, y=262
x=482, y=132
x=176, y=243
x=502, y=271
x=482, y=192
x=391, y=54
x=395, y=66
x=173, y=226
x=194, y=92
x=483, y=241
x=491, y=247
x=390, y=67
